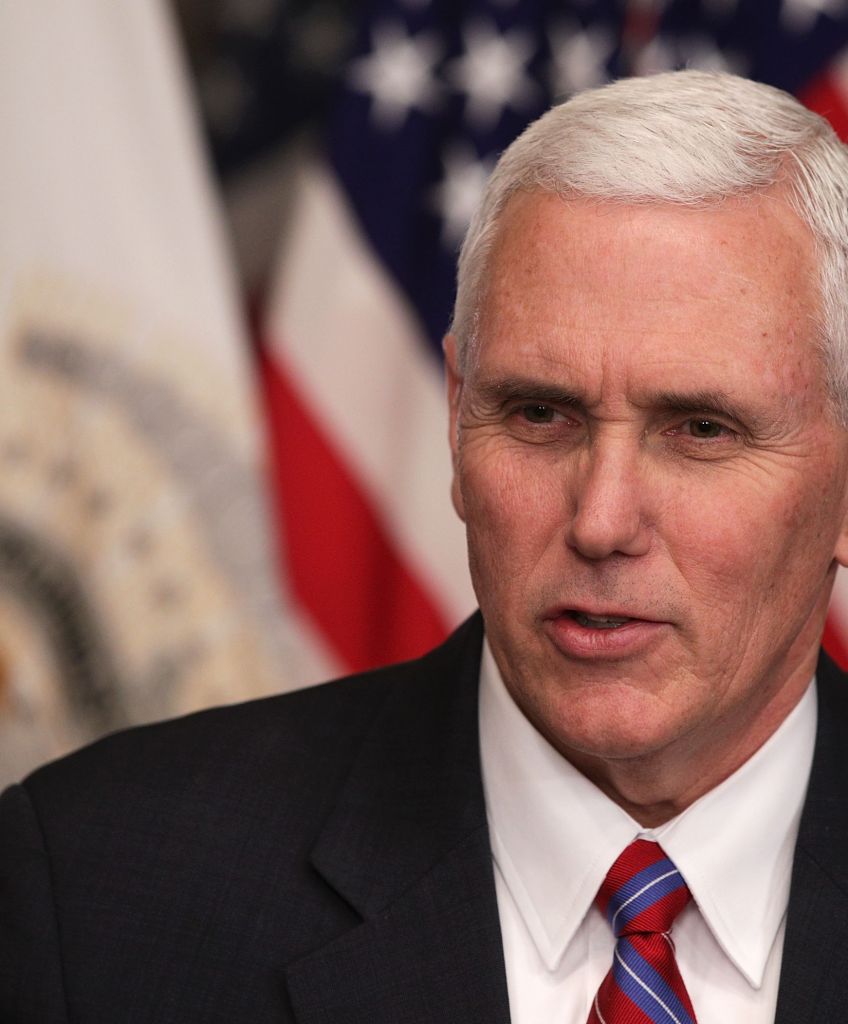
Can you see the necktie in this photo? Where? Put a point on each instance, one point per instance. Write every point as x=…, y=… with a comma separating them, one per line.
x=640, y=897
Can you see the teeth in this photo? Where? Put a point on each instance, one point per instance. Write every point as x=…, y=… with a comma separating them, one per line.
x=600, y=621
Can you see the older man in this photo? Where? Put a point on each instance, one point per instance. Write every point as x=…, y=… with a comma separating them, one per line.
x=647, y=378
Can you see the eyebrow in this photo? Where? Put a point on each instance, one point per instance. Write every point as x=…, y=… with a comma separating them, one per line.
x=510, y=389
x=704, y=401
x=701, y=401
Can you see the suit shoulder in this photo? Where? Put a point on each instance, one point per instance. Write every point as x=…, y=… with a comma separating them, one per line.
x=305, y=739
x=307, y=731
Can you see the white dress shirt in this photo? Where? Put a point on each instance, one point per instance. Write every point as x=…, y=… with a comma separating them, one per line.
x=555, y=835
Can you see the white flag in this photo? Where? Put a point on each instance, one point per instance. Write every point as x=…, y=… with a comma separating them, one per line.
x=136, y=576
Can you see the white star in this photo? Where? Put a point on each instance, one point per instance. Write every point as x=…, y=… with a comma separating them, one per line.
x=579, y=57
x=657, y=56
x=459, y=192
x=493, y=72
x=398, y=73
x=695, y=51
x=801, y=15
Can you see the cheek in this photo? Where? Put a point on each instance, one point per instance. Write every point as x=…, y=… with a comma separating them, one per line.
x=514, y=511
x=761, y=545
x=511, y=493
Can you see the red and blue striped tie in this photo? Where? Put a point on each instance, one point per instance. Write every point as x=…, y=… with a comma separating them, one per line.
x=640, y=897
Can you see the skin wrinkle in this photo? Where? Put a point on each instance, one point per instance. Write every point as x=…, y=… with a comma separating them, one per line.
x=616, y=317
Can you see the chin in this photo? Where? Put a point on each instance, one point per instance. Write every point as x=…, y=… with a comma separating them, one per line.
x=607, y=729
x=605, y=744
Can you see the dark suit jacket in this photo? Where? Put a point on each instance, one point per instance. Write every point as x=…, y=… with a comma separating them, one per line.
x=318, y=857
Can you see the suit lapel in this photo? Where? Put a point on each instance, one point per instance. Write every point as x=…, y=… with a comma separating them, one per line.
x=407, y=847
x=815, y=954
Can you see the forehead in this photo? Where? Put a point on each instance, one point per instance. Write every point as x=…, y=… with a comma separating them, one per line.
x=651, y=283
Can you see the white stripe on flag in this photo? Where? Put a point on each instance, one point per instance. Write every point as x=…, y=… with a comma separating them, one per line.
x=355, y=353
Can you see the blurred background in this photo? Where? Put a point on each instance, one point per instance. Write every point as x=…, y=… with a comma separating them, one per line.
x=228, y=231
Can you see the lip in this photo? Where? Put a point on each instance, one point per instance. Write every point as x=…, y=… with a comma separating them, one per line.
x=577, y=641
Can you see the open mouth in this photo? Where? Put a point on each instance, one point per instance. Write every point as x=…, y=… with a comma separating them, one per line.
x=599, y=621
x=602, y=634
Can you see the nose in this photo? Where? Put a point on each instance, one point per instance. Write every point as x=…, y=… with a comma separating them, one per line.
x=609, y=498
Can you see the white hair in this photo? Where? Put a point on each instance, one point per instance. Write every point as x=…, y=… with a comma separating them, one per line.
x=686, y=138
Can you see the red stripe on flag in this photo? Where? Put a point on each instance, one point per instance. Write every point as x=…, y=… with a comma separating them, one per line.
x=834, y=642
x=826, y=98
x=341, y=564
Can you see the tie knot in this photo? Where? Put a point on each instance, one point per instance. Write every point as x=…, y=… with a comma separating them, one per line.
x=643, y=892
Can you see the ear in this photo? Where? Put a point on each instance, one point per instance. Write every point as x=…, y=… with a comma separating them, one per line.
x=841, y=552
x=454, y=381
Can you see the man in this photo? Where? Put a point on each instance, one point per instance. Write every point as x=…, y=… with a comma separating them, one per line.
x=648, y=402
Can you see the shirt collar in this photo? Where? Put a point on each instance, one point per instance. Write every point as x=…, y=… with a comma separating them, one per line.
x=555, y=835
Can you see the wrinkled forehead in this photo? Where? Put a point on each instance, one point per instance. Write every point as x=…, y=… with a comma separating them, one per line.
x=551, y=256
x=643, y=291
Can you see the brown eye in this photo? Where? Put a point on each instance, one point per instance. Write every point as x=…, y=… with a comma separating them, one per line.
x=705, y=428
x=537, y=413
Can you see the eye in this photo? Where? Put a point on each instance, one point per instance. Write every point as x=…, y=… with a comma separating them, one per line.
x=704, y=437
x=540, y=422
x=705, y=428
x=538, y=413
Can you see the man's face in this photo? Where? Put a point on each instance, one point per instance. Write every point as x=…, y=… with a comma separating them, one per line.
x=653, y=487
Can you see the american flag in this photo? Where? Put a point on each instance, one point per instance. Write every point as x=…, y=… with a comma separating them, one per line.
x=431, y=92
